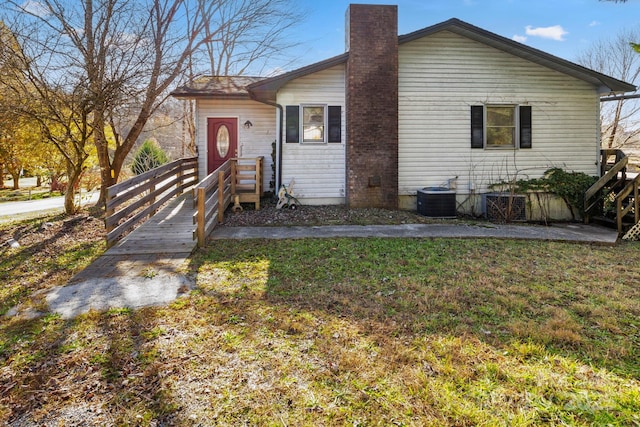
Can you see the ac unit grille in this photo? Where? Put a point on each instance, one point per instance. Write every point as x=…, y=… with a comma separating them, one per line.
x=505, y=207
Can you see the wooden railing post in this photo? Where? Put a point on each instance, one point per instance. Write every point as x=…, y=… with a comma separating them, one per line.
x=108, y=212
x=234, y=173
x=221, y=186
x=201, y=216
x=180, y=179
x=636, y=202
x=619, y=214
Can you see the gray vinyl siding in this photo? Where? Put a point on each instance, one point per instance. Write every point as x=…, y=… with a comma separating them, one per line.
x=252, y=142
x=442, y=75
x=317, y=168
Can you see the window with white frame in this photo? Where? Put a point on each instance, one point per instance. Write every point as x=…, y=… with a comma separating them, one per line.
x=501, y=126
x=313, y=123
x=316, y=123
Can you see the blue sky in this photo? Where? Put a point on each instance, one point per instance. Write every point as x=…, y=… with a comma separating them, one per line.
x=564, y=28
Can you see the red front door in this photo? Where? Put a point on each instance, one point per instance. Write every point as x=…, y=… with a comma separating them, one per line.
x=222, y=141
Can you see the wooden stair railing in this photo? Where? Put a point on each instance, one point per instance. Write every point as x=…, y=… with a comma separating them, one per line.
x=614, y=181
x=211, y=197
x=605, y=155
x=238, y=180
x=246, y=181
x=622, y=196
x=139, y=198
x=593, y=196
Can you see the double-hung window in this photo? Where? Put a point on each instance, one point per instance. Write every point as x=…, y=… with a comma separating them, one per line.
x=500, y=126
x=313, y=123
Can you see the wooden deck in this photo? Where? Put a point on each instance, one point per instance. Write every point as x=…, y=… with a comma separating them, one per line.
x=170, y=231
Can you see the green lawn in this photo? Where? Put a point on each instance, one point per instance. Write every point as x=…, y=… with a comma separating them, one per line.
x=34, y=193
x=346, y=332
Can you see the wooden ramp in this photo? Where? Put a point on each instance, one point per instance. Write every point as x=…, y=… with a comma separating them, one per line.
x=170, y=231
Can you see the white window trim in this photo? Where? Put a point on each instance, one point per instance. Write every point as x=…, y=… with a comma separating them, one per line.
x=325, y=124
x=516, y=136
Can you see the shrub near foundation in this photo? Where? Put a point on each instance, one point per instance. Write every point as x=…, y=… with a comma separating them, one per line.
x=570, y=186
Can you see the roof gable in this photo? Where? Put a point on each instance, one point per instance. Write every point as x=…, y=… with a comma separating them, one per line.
x=604, y=83
x=264, y=89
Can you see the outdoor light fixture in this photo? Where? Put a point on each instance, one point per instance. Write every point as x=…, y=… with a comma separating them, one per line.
x=247, y=124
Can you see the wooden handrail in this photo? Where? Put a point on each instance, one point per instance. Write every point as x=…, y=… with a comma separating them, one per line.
x=136, y=199
x=246, y=182
x=600, y=184
x=605, y=153
x=618, y=174
x=632, y=186
x=211, y=196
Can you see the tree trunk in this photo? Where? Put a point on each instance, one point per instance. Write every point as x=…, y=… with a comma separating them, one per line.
x=69, y=202
x=108, y=177
x=110, y=169
x=16, y=180
x=73, y=174
x=1, y=175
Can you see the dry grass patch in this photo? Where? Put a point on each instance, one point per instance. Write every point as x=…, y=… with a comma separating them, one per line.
x=51, y=250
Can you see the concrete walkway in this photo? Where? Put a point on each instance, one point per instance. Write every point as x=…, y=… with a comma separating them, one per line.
x=145, y=268
x=573, y=232
x=138, y=280
x=114, y=281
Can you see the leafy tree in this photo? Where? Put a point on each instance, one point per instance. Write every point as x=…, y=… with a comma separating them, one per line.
x=149, y=156
x=7, y=114
x=19, y=141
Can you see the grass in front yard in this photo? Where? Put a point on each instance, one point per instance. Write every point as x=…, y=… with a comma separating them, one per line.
x=23, y=194
x=350, y=332
x=51, y=249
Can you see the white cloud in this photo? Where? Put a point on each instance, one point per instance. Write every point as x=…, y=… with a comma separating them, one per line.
x=555, y=32
x=520, y=39
x=594, y=23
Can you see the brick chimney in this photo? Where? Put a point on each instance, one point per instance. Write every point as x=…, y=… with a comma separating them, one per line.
x=372, y=106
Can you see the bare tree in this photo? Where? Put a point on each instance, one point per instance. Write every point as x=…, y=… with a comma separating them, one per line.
x=127, y=54
x=616, y=57
x=244, y=34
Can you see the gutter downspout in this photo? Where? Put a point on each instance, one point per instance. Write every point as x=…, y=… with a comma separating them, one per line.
x=599, y=136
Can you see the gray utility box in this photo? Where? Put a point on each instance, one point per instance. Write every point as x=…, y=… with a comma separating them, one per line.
x=437, y=202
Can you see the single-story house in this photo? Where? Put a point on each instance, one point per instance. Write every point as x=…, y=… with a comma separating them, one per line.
x=449, y=105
